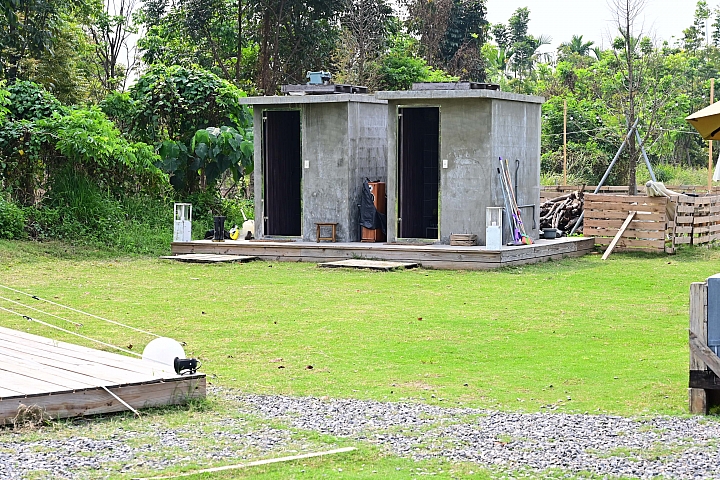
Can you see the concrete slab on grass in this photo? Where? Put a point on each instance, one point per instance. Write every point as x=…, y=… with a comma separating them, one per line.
x=209, y=258
x=370, y=264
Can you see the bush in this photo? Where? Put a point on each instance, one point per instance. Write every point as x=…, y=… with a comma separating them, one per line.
x=12, y=221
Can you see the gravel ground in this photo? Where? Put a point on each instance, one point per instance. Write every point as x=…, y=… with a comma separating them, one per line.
x=604, y=445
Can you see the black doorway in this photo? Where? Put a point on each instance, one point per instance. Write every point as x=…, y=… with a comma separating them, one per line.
x=282, y=171
x=418, y=172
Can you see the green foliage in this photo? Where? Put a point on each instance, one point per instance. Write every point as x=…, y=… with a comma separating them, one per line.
x=28, y=29
x=30, y=101
x=400, y=68
x=222, y=149
x=39, y=139
x=78, y=211
x=12, y=221
x=195, y=120
x=673, y=174
x=91, y=143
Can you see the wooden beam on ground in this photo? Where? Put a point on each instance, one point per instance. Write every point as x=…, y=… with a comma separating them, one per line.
x=251, y=464
x=619, y=234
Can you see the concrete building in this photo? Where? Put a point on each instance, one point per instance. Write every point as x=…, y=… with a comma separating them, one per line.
x=312, y=154
x=443, y=149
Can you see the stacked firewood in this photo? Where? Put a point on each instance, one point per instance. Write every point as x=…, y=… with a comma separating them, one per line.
x=562, y=212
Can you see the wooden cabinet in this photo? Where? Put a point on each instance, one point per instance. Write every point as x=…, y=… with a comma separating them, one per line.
x=378, y=191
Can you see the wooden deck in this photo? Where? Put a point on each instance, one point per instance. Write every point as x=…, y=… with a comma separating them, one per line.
x=67, y=380
x=429, y=256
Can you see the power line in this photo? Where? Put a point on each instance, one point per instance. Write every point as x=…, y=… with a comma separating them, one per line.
x=26, y=317
x=80, y=311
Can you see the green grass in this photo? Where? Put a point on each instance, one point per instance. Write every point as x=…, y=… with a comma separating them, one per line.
x=579, y=335
x=610, y=335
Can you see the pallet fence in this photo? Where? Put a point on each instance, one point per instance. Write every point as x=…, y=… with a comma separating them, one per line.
x=605, y=214
x=550, y=191
x=697, y=220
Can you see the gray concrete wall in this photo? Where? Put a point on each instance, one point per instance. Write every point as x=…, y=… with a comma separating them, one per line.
x=342, y=143
x=367, y=136
x=474, y=132
x=516, y=136
x=326, y=154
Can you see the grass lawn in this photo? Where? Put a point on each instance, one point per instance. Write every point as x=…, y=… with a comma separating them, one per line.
x=579, y=335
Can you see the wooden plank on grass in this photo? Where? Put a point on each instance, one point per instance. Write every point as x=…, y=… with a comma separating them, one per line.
x=369, y=264
x=209, y=258
x=619, y=234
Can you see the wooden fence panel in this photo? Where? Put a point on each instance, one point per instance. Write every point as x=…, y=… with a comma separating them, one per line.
x=604, y=215
x=697, y=221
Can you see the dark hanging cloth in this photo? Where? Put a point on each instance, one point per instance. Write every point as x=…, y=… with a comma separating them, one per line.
x=370, y=218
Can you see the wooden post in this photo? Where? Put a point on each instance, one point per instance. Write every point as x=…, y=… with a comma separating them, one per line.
x=710, y=142
x=698, y=325
x=565, y=142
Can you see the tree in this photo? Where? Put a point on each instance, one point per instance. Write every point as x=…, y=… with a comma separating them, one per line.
x=625, y=46
x=576, y=46
x=110, y=29
x=362, y=38
x=28, y=29
x=194, y=119
x=294, y=36
x=451, y=34
x=520, y=48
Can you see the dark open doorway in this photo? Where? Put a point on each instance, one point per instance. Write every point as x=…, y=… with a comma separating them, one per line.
x=418, y=172
x=282, y=172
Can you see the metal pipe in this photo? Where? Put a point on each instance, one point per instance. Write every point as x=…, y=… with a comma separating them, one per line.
x=607, y=172
x=644, y=153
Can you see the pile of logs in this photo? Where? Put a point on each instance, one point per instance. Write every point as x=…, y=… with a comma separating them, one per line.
x=562, y=212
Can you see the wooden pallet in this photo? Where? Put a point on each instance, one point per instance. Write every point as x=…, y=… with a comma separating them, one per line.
x=697, y=220
x=463, y=239
x=209, y=258
x=605, y=215
x=369, y=264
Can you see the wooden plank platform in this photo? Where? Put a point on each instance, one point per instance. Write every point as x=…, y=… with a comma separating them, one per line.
x=209, y=258
x=67, y=380
x=448, y=257
x=368, y=264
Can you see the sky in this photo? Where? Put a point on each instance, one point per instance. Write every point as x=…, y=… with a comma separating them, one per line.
x=593, y=19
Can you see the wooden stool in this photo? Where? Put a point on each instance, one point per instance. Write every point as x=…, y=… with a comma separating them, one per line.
x=333, y=228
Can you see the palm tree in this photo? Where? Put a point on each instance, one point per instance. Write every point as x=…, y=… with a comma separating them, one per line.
x=576, y=46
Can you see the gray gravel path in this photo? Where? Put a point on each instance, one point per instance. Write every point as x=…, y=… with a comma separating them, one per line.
x=600, y=444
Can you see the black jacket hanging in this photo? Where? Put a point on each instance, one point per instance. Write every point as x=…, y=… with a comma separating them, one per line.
x=370, y=218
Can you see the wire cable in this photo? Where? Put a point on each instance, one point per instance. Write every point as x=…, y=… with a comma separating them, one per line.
x=80, y=311
x=26, y=317
x=40, y=311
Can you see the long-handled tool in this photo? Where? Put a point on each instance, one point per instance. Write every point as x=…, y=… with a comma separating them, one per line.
x=520, y=236
x=516, y=210
x=508, y=210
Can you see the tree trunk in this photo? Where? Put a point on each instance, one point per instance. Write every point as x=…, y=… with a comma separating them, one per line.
x=264, y=59
x=238, y=62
